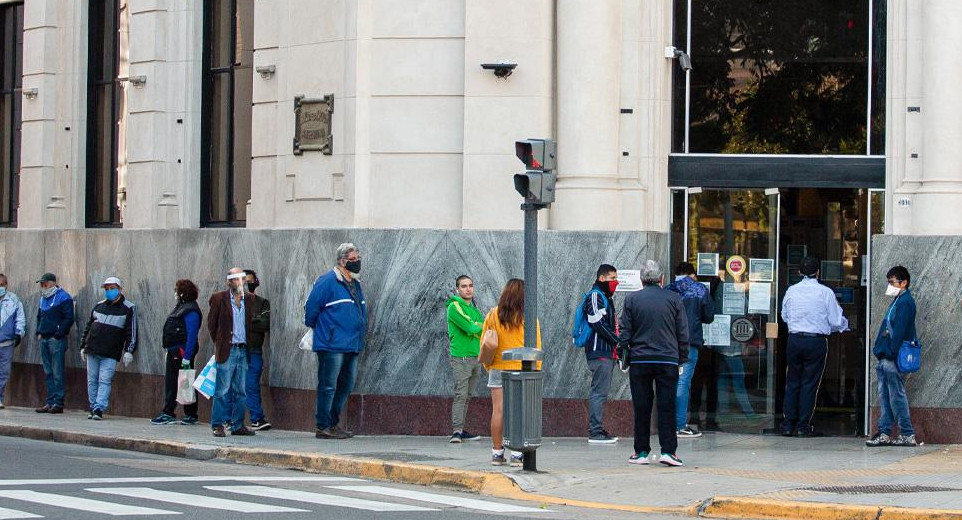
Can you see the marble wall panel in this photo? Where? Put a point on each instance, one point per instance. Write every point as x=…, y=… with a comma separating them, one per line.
x=153, y=273
x=937, y=288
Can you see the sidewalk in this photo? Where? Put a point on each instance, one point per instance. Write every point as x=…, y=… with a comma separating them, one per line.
x=726, y=475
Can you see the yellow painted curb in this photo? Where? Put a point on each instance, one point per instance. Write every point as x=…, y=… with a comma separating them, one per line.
x=757, y=508
x=901, y=513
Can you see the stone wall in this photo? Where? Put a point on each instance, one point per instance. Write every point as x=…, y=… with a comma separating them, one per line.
x=407, y=275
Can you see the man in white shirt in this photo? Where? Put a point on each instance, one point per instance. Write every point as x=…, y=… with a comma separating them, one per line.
x=812, y=313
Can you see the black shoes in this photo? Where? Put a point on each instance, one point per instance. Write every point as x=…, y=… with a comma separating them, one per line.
x=261, y=425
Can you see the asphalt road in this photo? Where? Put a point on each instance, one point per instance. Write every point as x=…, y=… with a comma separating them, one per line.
x=60, y=481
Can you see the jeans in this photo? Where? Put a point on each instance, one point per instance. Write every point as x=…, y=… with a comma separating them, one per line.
x=6, y=359
x=465, y=372
x=255, y=368
x=806, y=362
x=684, y=389
x=100, y=373
x=172, y=371
x=52, y=353
x=600, y=385
x=336, y=372
x=893, y=399
x=733, y=375
x=229, y=390
x=648, y=381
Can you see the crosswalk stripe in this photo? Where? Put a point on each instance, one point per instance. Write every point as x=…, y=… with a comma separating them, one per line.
x=196, y=500
x=316, y=498
x=420, y=496
x=10, y=514
x=154, y=480
x=81, y=504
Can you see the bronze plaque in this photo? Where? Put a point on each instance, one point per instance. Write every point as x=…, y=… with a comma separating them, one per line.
x=312, y=124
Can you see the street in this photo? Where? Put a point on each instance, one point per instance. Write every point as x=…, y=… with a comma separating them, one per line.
x=49, y=480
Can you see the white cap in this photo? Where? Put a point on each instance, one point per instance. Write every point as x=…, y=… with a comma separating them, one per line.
x=112, y=281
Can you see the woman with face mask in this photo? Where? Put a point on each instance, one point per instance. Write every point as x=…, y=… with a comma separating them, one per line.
x=180, y=343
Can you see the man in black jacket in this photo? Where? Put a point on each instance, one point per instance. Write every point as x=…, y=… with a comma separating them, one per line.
x=109, y=337
x=260, y=326
x=599, y=309
x=654, y=327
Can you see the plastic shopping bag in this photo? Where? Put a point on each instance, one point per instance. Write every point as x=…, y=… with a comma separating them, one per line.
x=185, y=386
x=205, y=382
x=307, y=341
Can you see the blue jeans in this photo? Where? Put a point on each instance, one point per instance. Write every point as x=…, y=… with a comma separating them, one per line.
x=100, y=373
x=229, y=395
x=255, y=368
x=892, y=399
x=6, y=359
x=336, y=372
x=52, y=352
x=684, y=389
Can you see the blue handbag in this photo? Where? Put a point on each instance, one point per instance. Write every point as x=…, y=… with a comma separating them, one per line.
x=910, y=356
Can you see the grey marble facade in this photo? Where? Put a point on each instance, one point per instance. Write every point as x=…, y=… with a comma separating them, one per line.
x=407, y=275
x=933, y=263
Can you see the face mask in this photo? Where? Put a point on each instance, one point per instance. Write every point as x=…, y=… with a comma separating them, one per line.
x=252, y=286
x=354, y=267
x=612, y=285
x=3, y=292
x=48, y=292
x=112, y=294
x=891, y=290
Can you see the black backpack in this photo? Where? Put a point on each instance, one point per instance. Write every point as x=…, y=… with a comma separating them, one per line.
x=175, y=328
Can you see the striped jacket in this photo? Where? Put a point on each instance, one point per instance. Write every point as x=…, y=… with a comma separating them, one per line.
x=111, y=329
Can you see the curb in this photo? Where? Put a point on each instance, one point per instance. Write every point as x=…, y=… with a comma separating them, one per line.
x=497, y=485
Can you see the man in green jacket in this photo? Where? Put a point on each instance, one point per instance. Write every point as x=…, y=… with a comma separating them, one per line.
x=464, y=329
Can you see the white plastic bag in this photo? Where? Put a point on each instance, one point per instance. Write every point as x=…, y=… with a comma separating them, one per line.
x=185, y=386
x=307, y=341
x=207, y=380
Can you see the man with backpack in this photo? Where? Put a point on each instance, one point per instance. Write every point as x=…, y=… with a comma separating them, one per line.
x=595, y=330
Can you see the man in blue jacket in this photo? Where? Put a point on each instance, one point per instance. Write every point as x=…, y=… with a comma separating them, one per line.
x=54, y=319
x=700, y=309
x=898, y=326
x=12, y=324
x=337, y=313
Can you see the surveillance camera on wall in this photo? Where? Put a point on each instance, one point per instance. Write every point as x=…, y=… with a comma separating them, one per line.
x=501, y=69
x=684, y=60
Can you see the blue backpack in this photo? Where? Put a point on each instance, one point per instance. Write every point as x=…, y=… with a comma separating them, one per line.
x=581, y=331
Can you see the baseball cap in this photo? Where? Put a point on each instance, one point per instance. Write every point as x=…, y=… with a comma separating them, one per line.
x=112, y=281
x=48, y=277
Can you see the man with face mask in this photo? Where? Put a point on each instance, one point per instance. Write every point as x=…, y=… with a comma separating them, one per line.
x=54, y=319
x=260, y=326
x=12, y=324
x=337, y=313
x=228, y=322
x=109, y=337
x=812, y=313
x=599, y=310
x=898, y=326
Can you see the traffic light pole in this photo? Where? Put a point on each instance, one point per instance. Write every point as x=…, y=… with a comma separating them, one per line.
x=530, y=461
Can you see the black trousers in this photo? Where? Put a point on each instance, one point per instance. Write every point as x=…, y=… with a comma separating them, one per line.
x=705, y=378
x=650, y=381
x=805, y=357
x=172, y=370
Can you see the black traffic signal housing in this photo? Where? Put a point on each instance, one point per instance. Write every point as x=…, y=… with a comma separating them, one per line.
x=537, y=183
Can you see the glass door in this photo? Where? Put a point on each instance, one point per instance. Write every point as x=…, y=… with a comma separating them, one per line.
x=731, y=236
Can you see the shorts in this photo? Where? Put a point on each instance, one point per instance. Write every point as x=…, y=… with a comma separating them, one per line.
x=494, y=378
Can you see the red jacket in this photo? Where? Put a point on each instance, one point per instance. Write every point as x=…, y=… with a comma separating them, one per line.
x=220, y=321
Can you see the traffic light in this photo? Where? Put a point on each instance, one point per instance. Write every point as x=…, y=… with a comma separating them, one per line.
x=536, y=184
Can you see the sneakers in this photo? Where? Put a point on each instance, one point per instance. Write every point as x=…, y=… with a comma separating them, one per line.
x=688, y=433
x=602, y=438
x=669, y=459
x=497, y=458
x=639, y=458
x=189, y=420
x=97, y=415
x=218, y=431
x=880, y=439
x=163, y=419
x=329, y=433
x=517, y=459
x=905, y=440
x=260, y=425
x=1, y=405
x=468, y=436
x=455, y=438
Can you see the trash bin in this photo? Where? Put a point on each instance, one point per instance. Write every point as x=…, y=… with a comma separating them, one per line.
x=522, y=403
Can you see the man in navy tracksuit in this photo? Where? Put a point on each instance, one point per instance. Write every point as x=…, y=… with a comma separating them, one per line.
x=337, y=313
x=54, y=319
x=599, y=309
x=700, y=309
x=898, y=326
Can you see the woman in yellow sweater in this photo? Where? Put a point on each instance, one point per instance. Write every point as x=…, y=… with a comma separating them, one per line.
x=507, y=320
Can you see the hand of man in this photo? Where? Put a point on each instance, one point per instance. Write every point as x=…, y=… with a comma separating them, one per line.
x=128, y=357
x=16, y=340
x=184, y=364
x=83, y=355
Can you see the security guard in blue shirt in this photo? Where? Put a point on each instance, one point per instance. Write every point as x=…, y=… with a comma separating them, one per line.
x=812, y=313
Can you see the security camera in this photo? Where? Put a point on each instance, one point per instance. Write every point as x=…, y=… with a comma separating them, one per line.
x=684, y=60
x=501, y=69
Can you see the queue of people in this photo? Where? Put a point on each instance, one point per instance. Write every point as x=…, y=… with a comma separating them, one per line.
x=655, y=339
